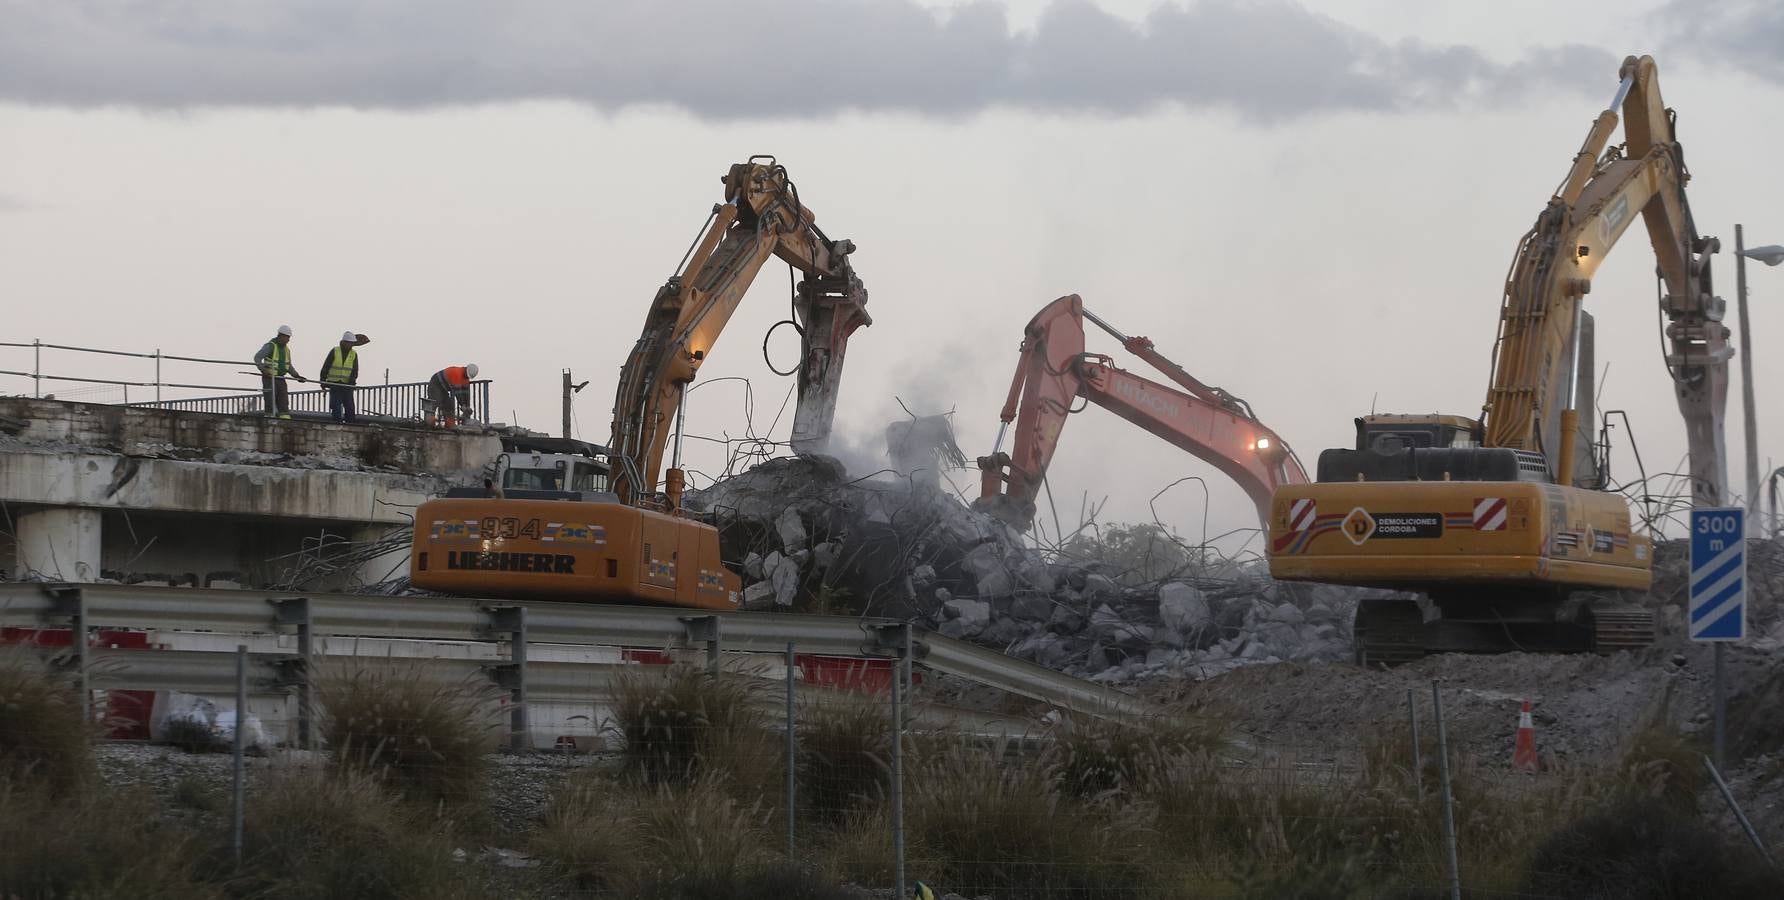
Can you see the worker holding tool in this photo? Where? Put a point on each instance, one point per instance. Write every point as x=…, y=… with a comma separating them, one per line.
x=340, y=372
x=450, y=391
x=274, y=363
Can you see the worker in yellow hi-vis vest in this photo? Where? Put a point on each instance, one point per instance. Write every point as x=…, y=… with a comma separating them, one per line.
x=340, y=372
x=274, y=362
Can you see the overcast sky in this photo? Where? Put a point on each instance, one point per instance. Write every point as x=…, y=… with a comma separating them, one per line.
x=1314, y=209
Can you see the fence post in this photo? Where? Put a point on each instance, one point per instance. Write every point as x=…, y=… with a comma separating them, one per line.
x=1418, y=762
x=157, y=377
x=900, y=671
x=1735, y=808
x=37, y=367
x=240, y=768
x=1449, y=814
x=792, y=770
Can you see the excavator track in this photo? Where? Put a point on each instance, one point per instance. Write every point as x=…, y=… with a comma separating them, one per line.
x=1389, y=631
x=1620, y=626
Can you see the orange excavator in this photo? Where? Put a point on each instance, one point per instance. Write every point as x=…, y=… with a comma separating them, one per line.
x=575, y=529
x=1055, y=371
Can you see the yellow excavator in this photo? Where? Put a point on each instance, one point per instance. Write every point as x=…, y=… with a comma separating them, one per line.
x=576, y=529
x=1498, y=534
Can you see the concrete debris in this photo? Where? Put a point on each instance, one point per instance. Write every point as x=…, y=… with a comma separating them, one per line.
x=964, y=618
x=792, y=531
x=888, y=548
x=892, y=549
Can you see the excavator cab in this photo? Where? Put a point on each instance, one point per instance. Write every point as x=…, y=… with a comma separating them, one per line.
x=1388, y=433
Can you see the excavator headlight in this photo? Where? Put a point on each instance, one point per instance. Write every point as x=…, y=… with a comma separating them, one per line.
x=1263, y=443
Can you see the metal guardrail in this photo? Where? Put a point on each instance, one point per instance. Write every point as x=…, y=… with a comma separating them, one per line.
x=245, y=612
x=397, y=401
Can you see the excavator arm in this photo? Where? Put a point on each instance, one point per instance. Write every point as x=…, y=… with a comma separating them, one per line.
x=761, y=217
x=1531, y=402
x=1055, y=372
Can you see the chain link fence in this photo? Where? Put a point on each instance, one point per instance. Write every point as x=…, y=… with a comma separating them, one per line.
x=815, y=777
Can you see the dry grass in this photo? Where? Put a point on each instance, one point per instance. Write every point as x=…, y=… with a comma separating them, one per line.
x=425, y=738
x=844, y=756
x=1101, y=756
x=980, y=827
x=1642, y=848
x=43, y=739
x=342, y=837
x=94, y=847
x=681, y=724
x=625, y=837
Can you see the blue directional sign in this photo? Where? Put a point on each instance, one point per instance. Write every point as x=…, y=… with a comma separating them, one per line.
x=1718, y=574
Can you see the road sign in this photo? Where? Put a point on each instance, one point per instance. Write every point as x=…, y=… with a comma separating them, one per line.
x=1718, y=606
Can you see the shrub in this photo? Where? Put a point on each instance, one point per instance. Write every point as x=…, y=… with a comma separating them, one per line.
x=983, y=828
x=631, y=838
x=844, y=755
x=424, y=737
x=679, y=722
x=93, y=848
x=43, y=739
x=1642, y=848
x=1665, y=765
x=341, y=837
x=1096, y=756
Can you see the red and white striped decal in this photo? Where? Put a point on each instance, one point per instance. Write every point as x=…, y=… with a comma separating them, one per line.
x=1301, y=514
x=1489, y=514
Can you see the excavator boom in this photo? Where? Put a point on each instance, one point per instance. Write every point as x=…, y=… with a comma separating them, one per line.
x=760, y=218
x=1055, y=372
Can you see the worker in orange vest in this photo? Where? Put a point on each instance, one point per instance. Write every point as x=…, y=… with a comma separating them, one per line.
x=450, y=391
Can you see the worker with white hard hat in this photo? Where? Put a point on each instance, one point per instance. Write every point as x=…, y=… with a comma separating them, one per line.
x=274, y=362
x=449, y=391
x=340, y=372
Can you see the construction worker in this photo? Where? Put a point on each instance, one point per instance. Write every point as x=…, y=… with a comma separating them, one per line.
x=274, y=363
x=450, y=391
x=340, y=372
x=922, y=892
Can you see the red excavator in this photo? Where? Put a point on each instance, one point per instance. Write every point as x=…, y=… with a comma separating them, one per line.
x=1207, y=422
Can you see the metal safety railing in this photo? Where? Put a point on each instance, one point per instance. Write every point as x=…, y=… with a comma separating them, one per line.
x=406, y=400
x=397, y=401
x=38, y=377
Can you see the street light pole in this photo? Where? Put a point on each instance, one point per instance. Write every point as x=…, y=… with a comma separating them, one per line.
x=1771, y=255
x=1752, y=428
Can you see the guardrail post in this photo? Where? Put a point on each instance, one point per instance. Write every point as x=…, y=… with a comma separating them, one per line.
x=296, y=611
x=513, y=620
x=704, y=629
x=72, y=602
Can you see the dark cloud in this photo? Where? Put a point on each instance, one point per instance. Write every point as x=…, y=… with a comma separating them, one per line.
x=726, y=60
x=1744, y=34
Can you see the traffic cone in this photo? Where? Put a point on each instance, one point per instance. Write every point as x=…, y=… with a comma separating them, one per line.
x=1523, y=755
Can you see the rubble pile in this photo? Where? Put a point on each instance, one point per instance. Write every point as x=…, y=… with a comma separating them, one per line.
x=811, y=538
